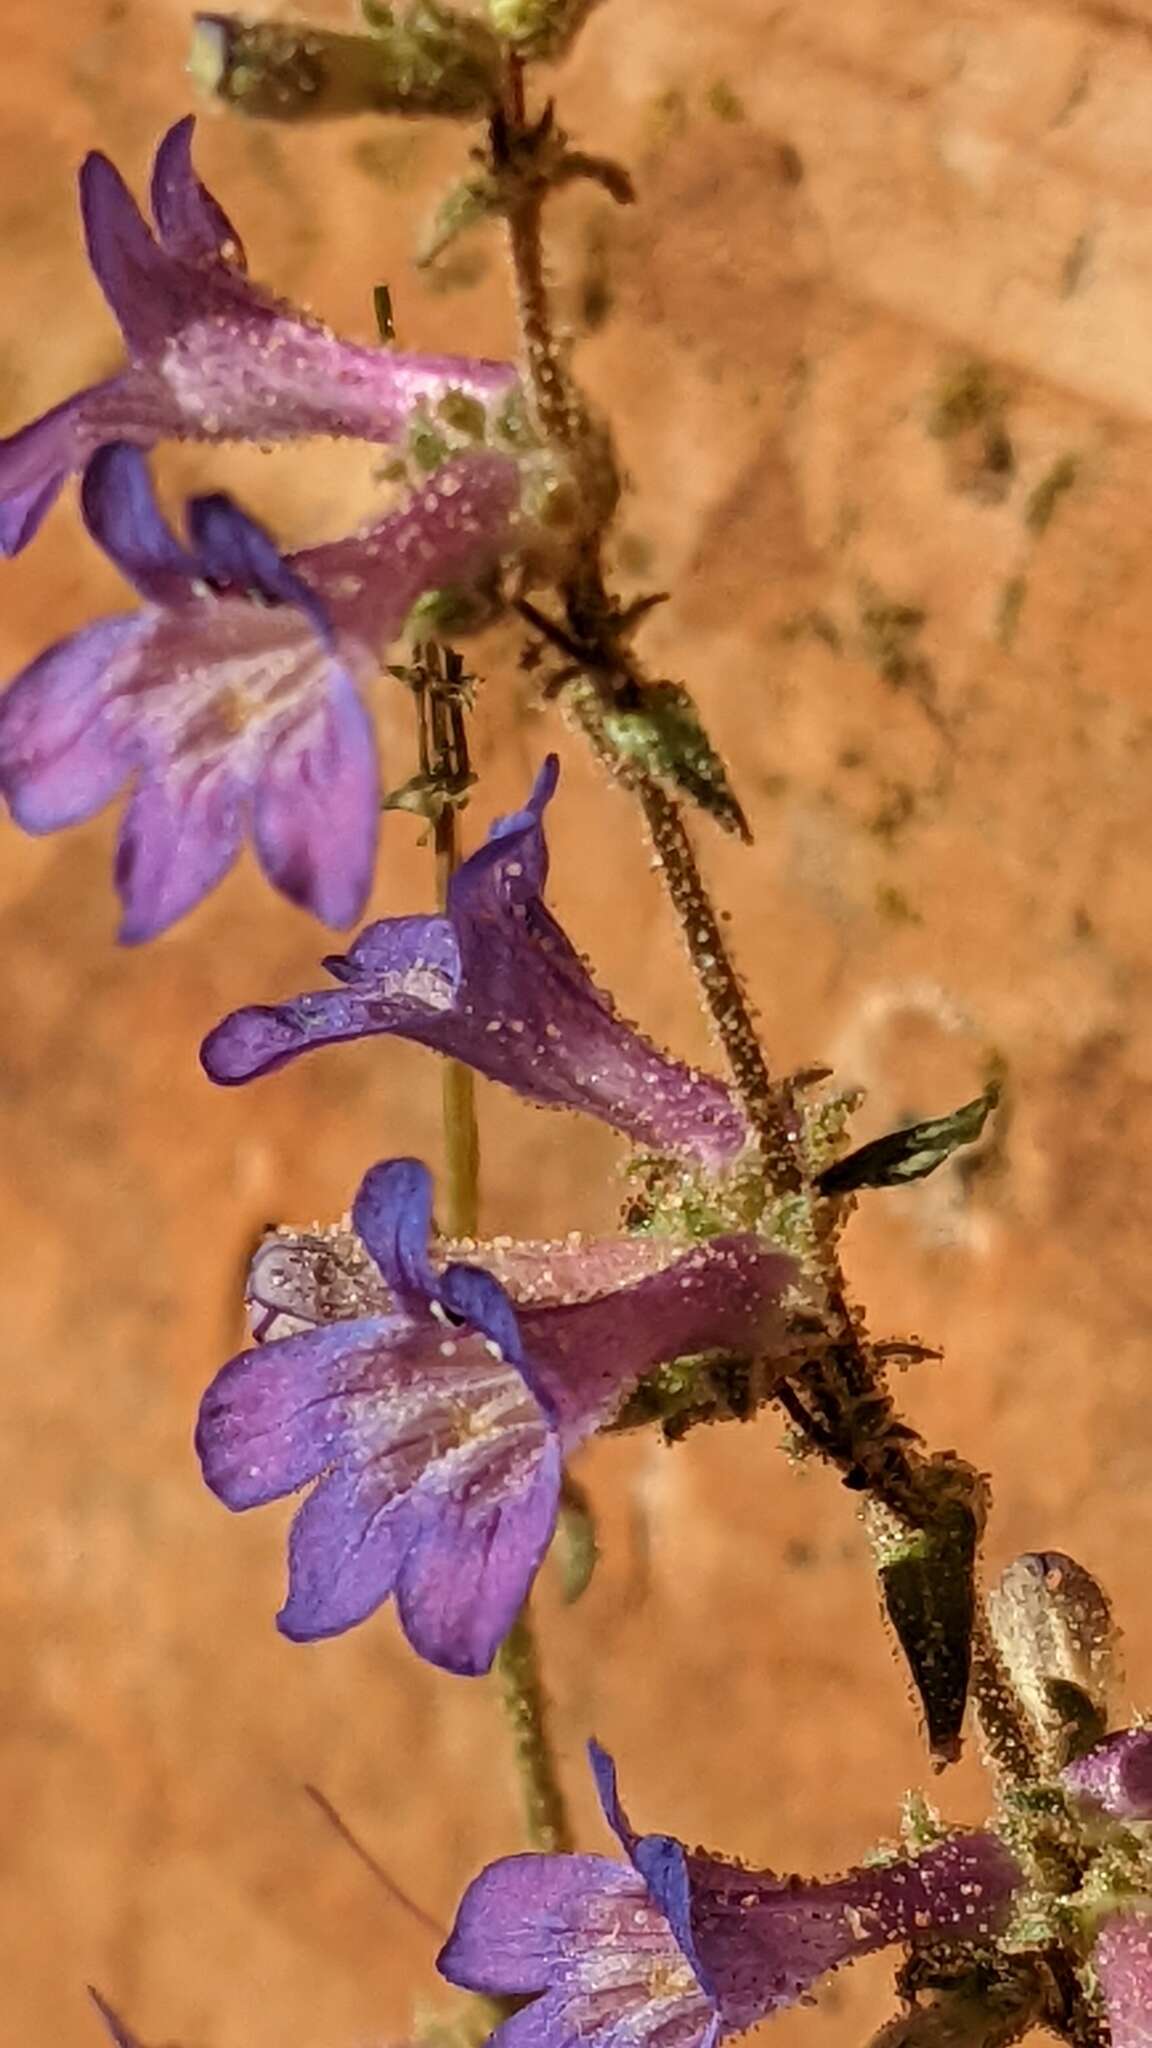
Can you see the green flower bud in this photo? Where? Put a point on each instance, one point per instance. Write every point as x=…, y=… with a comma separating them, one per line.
x=1054, y=1630
x=423, y=59
x=539, y=28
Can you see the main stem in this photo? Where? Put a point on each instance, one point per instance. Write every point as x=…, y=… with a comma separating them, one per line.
x=561, y=418
x=840, y=1401
x=767, y=1106
x=457, y=1082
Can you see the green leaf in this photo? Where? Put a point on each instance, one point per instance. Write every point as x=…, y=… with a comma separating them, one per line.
x=911, y=1153
x=663, y=735
x=928, y=1580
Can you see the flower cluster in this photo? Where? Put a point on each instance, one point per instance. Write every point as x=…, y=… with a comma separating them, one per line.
x=235, y=698
x=424, y=1396
x=430, y=1401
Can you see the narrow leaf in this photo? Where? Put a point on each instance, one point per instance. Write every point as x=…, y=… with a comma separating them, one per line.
x=911, y=1153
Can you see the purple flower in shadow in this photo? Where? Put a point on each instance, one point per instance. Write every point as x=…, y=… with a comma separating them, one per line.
x=211, y=356
x=680, y=1949
x=1116, y=1778
x=1116, y=1775
x=495, y=983
x=232, y=697
x=433, y=1429
x=1123, y=1962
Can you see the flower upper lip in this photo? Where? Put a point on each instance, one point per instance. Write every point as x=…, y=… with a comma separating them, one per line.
x=210, y=355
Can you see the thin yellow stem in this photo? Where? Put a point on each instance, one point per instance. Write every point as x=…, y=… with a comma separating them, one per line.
x=461, y=1200
x=526, y=1707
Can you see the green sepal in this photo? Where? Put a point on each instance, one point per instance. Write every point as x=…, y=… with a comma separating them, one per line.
x=420, y=59
x=928, y=1581
x=426, y=796
x=454, y=610
x=662, y=736
x=910, y=1153
x=575, y=1545
x=465, y=205
x=539, y=28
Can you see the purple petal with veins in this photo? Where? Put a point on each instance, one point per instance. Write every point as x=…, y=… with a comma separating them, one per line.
x=232, y=699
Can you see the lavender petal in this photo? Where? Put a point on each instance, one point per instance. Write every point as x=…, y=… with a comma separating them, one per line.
x=191, y=224
x=475, y=1554
x=62, y=756
x=1123, y=1962
x=178, y=837
x=1116, y=1775
x=516, y=1920
x=316, y=807
x=346, y=1549
x=123, y=516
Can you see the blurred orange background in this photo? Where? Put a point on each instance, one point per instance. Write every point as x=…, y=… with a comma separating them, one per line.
x=878, y=344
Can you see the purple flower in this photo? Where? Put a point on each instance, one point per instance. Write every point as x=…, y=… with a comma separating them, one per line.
x=1116, y=1775
x=299, y=1279
x=435, y=1426
x=495, y=983
x=232, y=697
x=211, y=356
x=682, y=1949
x=1123, y=1961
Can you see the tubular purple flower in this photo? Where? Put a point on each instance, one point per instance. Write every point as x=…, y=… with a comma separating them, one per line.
x=1116, y=1775
x=495, y=983
x=433, y=1428
x=675, y=1947
x=1123, y=1962
x=232, y=697
x=211, y=356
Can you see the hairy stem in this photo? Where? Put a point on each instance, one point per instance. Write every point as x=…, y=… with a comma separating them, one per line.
x=558, y=414
x=840, y=1399
x=1003, y=1719
x=526, y=1707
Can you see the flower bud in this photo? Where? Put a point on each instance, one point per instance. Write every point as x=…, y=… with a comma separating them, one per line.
x=1054, y=1630
x=539, y=28
x=421, y=60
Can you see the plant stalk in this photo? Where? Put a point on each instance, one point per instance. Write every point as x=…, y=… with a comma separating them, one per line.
x=444, y=762
x=457, y=1082
x=526, y=1708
